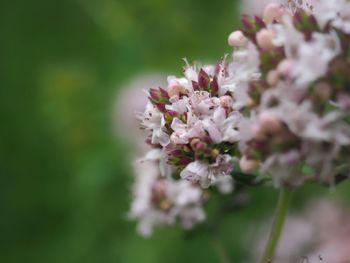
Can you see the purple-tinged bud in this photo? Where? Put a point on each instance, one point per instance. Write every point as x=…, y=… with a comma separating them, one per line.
x=264, y=38
x=305, y=22
x=203, y=79
x=259, y=22
x=313, y=21
x=248, y=165
x=195, y=85
x=237, y=39
x=164, y=93
x=269, y=123
x=247, y=22
x=185, y=160
x=171, y=113
x=155, y=94
x=161, y=107
x=272, y=77
x=214, y=86
x=159, y=97
x=301, y=16
x=175, y=153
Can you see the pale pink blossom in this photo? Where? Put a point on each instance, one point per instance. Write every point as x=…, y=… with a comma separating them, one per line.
x=152, y=120
x=237, y=39
x=265, y=38
x=208, y=174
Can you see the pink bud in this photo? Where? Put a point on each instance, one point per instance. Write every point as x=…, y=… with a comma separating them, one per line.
x=274, y=12
x=272, y=77
x=237, y=39
x=269, y=122
x=247, y=165
x=285, y=67
x=264, y=38
x=226, y=101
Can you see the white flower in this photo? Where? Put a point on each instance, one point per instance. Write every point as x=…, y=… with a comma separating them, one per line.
x=178, y=105
x=162, y=201
x=158, y=155
x=243, y=69
x=337, y=12
x=320, y=51
x=202, y=104
x=185, y=131
x=206, y=175
x=222, y=128
x=195, y=171
x=153, y=121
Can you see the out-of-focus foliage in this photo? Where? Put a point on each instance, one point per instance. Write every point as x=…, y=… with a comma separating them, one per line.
x=65, y=178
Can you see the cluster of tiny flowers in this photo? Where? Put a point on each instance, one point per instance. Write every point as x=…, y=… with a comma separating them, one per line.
x=280, y=107
x=160, y=200
x=299, y=124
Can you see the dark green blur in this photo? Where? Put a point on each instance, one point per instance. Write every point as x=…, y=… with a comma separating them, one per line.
x=64, y=175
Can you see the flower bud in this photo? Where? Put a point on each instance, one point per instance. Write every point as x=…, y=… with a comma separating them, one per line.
x=274, y=12
x=237, y=39
x=264, y=38
x=268, y=122
x=285, y=67
x=194, y=143
x=247, y=165
x=272, y=77
x=226, y=101
x=215, y=153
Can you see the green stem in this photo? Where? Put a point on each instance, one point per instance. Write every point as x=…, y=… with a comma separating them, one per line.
x=284, y=197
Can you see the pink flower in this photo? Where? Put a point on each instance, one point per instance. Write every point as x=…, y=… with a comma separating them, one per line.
x=207, y=175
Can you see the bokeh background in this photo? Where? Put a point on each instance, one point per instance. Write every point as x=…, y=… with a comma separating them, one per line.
x=65, y=173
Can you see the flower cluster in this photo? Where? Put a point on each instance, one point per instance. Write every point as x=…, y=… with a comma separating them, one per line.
x=299, y=127
x=161, y=200
x=195, y=120
x=279, y=108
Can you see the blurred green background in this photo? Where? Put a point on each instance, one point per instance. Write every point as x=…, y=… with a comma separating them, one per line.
x=65, y=175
